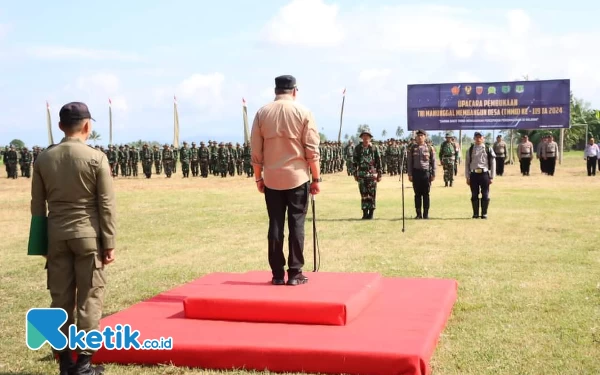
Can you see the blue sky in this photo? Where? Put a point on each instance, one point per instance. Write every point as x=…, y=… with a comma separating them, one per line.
x=212, y=53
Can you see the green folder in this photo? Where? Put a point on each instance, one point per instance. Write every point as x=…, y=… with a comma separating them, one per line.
x=38, y=236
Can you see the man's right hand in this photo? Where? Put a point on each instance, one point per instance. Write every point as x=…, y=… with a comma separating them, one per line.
x=315, y=188
x=260, y=185
x=109, y=256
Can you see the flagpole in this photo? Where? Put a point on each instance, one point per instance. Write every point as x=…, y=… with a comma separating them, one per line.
x=342, y=116
x=110, y=122
x=175, y=123
x=245, y=118
x=49, y=124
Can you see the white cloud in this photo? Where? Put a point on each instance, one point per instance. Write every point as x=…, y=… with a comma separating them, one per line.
x=305, y=23
x=64, y=53
x=386, y=48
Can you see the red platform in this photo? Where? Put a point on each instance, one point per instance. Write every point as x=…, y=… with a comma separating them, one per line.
x=250, y=297
x=396, y=333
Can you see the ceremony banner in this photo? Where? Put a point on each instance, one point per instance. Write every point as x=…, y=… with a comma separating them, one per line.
x=491, y=105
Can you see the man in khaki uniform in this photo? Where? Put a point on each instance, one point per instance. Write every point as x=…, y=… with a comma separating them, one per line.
x=525, y=155
x=73, y=180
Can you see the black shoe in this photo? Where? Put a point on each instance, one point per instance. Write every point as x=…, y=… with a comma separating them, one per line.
x=298, y=280
x=277, y=281
x=370, y=215
x=66, y=363
x=84, y=366
x=425, y=215
x=365, y=214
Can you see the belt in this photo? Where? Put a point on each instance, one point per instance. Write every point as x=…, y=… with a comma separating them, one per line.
x=479, y=170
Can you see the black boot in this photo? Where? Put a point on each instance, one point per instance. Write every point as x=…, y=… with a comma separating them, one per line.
x=484, y=208
x=84, y=366
x=426, y=207
x=475, y=204
x=371, y=211
x=66, y=363
x=418, y=208
x=365, y=214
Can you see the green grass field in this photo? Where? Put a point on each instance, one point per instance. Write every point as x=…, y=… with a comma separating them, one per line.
x=529, y=280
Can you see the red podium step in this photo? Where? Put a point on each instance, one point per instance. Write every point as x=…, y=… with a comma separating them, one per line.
x=333, y=299
x=396, y=333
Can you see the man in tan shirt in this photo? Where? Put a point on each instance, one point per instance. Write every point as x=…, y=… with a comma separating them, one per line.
x=285, y=153
x=72, y=187
x=525, y=155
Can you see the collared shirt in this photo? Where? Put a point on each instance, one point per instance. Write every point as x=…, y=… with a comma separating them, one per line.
x=500, y=149
x=591, y=151
x=525, y=150
x=550, y=150
x=421, y=157
x=480, y=160
x=73, y=182
x=284, y=139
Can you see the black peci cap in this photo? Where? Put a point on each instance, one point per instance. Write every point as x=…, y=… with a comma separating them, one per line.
x=74, y=111
x=286, y=82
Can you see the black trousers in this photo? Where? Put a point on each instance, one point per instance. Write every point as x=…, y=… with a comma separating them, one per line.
x=550, y=166
x=525, y=166
x=500, y=166
x=421, y=187
x=295, y=202
x=591, y=165
x=480, y=183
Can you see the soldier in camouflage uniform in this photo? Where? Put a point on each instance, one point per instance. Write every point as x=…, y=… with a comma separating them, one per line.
x=231, y=161
x=239, y=162
x=194, y=159
x=113, y=159
x=367, y=172
x=157, y=156
x=349, y=156
x=247, y=158
x=175, y=158
x=214, y=159
x=222, y=160
x=167, y=159
x=11, y=160
x=26, y=163
x=123, y=160
x=184, y=155
x=147, y=157
x=204, y=155
x=448, y=154
x=134, y=157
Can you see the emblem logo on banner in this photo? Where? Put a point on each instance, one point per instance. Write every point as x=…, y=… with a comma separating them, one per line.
x=519, y=89
x=505, y=89
x=479, y=90
x=468, y=90
x=455, y=90
x=491, y=90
